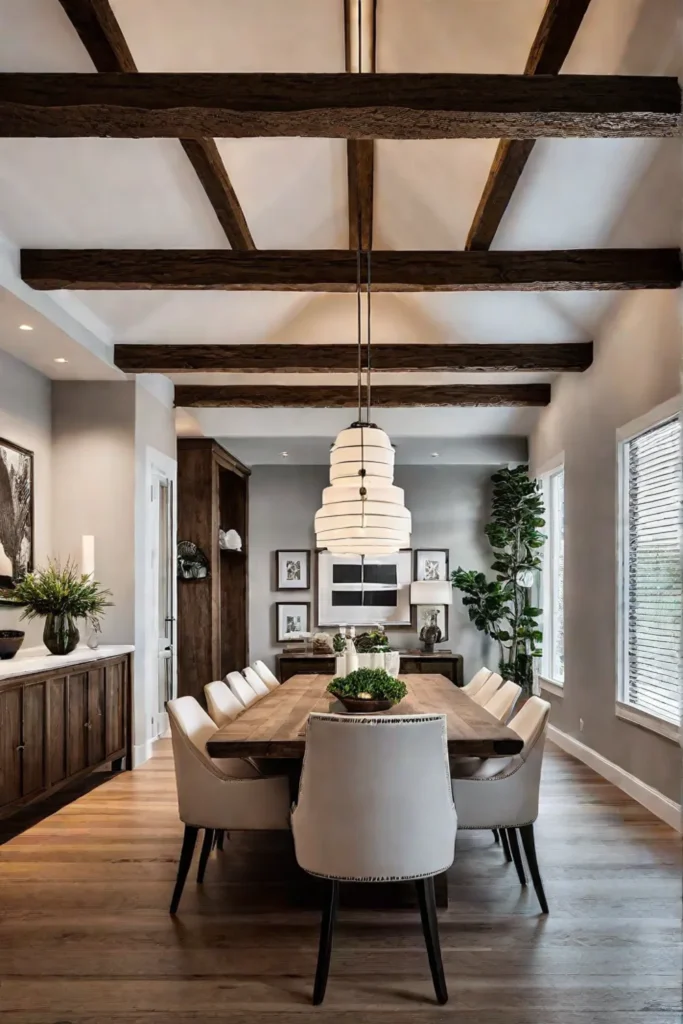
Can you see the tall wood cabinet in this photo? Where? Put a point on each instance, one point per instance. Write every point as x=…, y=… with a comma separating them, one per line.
x=213, y=619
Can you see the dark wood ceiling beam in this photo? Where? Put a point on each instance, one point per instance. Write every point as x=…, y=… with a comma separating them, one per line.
x=561, y=22
x=321, y=270
x=360, y=153
x=400, y=106
x=572, y=356
x=102, y=37
x=337, y=396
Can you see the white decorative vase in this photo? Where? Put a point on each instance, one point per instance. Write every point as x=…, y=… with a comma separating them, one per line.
x=364, y=660
x=340, y=665
x=377, y=659
x=392, y=662
x=351, y=662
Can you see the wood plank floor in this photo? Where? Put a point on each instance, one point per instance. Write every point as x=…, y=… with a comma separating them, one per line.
x=85, y=935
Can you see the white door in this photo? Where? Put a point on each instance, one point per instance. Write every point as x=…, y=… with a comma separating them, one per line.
x=162, y=598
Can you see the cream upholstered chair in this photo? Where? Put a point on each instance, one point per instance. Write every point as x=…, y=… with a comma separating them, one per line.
x=485, y=692
x=245, y=693
x=222, y=704
x=503, y=793
x=477, y=681
x=255, y=681
x=375, y=805
x=271, y=681
x=502, y=704
x=216, y=795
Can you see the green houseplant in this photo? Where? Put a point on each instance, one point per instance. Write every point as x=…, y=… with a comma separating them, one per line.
x=501, y=608
x=368, y=689
x=61, y=595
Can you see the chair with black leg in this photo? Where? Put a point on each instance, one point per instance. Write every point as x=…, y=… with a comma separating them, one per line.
x=217, y=795
x=375, y=805
x=503, y=793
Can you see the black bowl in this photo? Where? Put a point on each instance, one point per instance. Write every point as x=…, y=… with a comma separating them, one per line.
x=10, y=642
x=364, y=705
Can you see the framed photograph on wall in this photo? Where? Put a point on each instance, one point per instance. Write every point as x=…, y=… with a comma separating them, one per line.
x=293, y=570
x=292, y=619
x=424, y=617
x=431, y=564
x=354, y=592
x=16, y=513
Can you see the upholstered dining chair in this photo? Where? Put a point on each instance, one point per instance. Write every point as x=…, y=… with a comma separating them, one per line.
x=502, y=704
x=503, y=793
x=476, y=682
x=221, y=703
x=255, y=681
x=375, y=805
x=245, y=693
x=485, y=692
x=271, y=681
x=216, y=795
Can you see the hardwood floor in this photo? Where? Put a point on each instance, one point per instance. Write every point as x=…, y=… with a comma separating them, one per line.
x=85, y=935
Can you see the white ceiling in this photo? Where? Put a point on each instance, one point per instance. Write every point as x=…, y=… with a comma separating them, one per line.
x=143, y=193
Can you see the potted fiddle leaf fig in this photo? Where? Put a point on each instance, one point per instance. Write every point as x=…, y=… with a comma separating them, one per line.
x=61, y=595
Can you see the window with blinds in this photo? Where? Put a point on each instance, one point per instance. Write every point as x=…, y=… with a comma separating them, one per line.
x=553, y=579
x=651, y=571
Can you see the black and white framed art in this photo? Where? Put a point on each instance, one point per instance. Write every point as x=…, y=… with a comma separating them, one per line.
x=431, y=564
x=16, y=513
x=292, y=619
x=357, y=592
x=293, y=569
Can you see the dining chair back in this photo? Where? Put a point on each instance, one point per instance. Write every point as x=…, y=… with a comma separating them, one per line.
x=491, y=685
x=502, y=704
x=245, y=693
x=255, y=681
x=375, y=805
x=477, y=681
x=271, y=681
x=222, y=704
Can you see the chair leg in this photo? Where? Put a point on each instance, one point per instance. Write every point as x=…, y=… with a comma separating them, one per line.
x=496, y=837
x=189, y=840
x=516, y=855
x=325, y=945
x=430, y=927
x=529, y=844
x=219, y=838
x=505, y=844
x=207, y=847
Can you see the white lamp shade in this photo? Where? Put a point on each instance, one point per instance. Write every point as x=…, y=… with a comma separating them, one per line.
x=431, y=592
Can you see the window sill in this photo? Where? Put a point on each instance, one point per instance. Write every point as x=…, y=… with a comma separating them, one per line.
x=557, y=689
x=641, y=718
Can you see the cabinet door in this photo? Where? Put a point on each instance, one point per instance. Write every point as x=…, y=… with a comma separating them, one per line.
x=77, y=722
x=56, y=731
x=10, y=744
x=115, y=708
x=33, y=739
x=95, y=722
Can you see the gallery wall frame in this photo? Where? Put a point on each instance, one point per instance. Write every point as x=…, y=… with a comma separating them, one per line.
x=332, y=607
x=17, y=515
x=293, y=569
x=291, y=617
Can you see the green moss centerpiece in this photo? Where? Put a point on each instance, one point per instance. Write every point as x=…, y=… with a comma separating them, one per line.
x=368, y=690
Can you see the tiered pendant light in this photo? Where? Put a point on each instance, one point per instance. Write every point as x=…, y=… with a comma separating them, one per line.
x=363, y=513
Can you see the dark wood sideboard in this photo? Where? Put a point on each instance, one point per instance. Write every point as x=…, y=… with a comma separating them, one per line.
x=59, y=725
x=290, y=663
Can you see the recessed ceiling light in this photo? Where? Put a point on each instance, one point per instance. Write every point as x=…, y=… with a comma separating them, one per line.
x=435, y=455
x=61, y=359
x=284, y=454
x=25, y=327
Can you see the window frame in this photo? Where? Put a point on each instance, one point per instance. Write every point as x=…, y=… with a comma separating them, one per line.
x=547, y=679
x=656, y=417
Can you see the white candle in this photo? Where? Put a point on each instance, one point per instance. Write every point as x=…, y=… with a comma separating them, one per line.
x=88, y=556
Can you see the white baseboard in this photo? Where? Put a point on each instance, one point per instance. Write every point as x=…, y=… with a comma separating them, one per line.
x=142, y=752
x=660, y=805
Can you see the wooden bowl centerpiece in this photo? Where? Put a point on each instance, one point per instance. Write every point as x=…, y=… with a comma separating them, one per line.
x=367, y=690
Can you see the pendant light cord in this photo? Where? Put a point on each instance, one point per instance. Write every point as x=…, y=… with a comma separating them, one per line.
x=359, y=227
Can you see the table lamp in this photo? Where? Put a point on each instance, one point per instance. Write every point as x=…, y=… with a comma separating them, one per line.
x=431, y=592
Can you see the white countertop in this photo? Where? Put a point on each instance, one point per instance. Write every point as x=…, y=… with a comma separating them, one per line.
x=38, y=659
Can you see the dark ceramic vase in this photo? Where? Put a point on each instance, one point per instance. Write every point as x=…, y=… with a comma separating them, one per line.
x=60, y=635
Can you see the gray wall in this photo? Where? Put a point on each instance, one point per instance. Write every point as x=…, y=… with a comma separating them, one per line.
x=449, y=506
x=636, y=367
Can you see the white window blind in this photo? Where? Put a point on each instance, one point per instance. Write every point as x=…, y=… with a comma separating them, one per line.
x=651, y=571
x=553, y=579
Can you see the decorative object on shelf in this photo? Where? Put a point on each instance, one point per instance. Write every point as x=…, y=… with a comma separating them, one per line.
x=93, y=640
x=10, y=642
x=192, y=562
x=431, y=598
x=431, y=564
x=368, y=690
x=362, y=512
x=229, y=540
x=16, y=516
x=322, y=643
x=339, y=641
x=61, y=595
x=292, y=620
x=293, y=570
x=502, y=608
x=364, y=589
x=371, y=640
